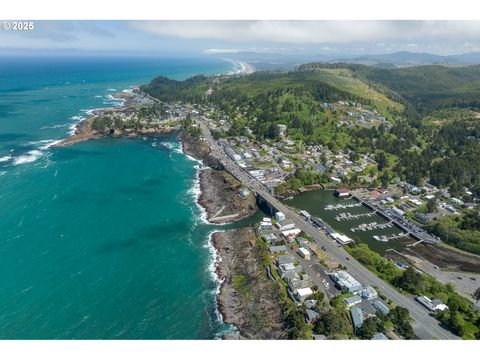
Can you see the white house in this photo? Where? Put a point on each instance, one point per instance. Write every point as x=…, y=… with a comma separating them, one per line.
x=279, y=216
x=304, y=253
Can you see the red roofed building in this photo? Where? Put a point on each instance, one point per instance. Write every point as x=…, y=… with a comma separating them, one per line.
x=374, y=194
x=342, y=192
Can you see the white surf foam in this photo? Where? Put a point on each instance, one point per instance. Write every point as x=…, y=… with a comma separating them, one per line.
x=54, y=126
x=31, y=156
x=49, y=143
x=215, y=260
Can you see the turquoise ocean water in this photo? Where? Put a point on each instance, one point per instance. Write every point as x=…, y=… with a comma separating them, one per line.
x=103, y=239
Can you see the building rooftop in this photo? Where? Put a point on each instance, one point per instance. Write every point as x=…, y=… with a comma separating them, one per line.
x=344, y=279
x=368, y=293
x=379, y=336
x=357, y=317
x=352, y=300
x=380, y=306
x=284, y=259
x=304, y=292
x=275, y=249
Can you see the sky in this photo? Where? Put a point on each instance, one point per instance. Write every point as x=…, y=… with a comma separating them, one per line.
x=176, y=38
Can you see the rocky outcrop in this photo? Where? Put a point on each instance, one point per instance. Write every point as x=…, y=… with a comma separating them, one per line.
x=247, y=298
x=220, y=192
x=220, y=196
x=199, y=150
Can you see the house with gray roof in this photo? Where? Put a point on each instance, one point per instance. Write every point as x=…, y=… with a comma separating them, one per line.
x=379, y=336
x=381, y=306
x=357, y=317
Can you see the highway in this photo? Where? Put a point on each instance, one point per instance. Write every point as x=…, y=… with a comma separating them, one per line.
x=424, y=325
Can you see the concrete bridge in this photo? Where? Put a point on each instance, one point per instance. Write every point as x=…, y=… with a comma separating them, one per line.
x=425, y=326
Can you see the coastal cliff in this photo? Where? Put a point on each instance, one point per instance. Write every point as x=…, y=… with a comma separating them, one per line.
x=220, y=191
x=198, y=150
x=220, y=197
x=247, y=298
x=137, y=116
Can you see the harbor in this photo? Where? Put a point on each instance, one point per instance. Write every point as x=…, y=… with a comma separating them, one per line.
x=342, y=206
x=349, y=216
x=371, y=226
x=360, y=223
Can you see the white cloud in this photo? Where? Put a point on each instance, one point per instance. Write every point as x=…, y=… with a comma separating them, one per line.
x=313, y=31
x=256, y=50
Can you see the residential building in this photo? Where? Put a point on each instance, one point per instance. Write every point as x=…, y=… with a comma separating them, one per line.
x=342, y=192
x=279, y=216
x=284, y=259
x=368, y=293
x=357, y=318
x=270, y=238
x=352, y=301
x=345, y=281
x=291, y=234
x=381, y=306
x=303, y=293
x=432, y=305
x=379, y=336
x=311, y=316
x=304, y=253
x=310, y=303
x=277, y=249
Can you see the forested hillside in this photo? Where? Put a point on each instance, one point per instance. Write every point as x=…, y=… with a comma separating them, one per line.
x=427, y=88
x=430, y=136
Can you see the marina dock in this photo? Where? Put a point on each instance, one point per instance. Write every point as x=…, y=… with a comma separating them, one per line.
x=387, y=238
x=371, y=226
x=342, y=206
x=408, y=227
x=348, y=216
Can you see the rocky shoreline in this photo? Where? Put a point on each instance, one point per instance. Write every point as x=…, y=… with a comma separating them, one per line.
x=219, y=191
x=84, y=130
x=247, y=298
x=254, y=308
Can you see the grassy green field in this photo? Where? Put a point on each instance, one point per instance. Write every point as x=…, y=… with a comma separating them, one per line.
x=343, y=79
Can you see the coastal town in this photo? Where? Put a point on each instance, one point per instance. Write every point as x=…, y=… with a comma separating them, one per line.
x=314, y=273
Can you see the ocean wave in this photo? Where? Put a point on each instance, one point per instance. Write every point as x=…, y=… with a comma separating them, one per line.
x=31, y=156
x=49, y=144
x=129, y=90
x=71, y=127
x=239, y=67
x=174, y=146
x=111, y=89
x=90, y=112
x=112, y=100
x=45, y=144
x=196, y=191
x=5, y=158
x=215, y=260
x=54, y=126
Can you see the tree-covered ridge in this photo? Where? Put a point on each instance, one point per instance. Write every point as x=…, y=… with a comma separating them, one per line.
x=441, y=147
x=427, y=88
x=169, y=90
